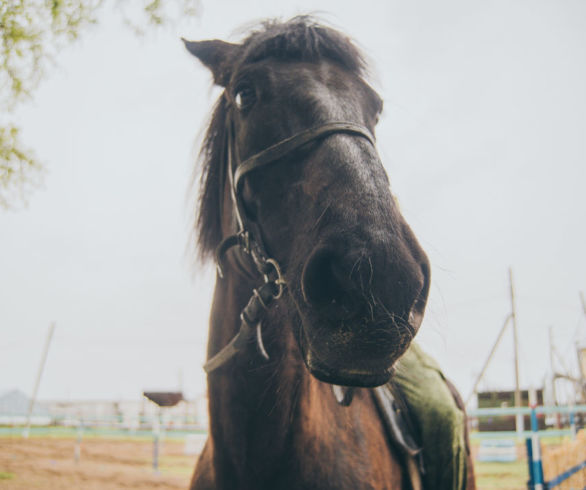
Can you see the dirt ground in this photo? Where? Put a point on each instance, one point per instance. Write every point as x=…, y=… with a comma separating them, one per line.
x=112, y=464
x=105, y=464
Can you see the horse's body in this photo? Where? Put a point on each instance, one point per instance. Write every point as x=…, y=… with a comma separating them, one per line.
x=356, y=279
x=274, y=426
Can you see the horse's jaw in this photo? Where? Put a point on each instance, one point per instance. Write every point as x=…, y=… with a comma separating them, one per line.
x=358, y=373
x=347, y=377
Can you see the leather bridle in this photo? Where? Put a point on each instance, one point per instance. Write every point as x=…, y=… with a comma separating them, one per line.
x=250, y=244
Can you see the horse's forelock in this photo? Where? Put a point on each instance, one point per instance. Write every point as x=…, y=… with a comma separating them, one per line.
x=301, y=38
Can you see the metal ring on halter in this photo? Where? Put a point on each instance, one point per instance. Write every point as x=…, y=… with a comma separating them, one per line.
x=280, y=282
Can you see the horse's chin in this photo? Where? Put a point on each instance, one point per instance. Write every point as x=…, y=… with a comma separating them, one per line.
x=349, y=377
x=359, y=374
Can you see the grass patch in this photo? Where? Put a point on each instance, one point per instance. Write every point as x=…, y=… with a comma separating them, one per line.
x=501, y=475
x=4, y=475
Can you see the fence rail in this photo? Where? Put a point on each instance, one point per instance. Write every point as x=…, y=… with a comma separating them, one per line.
x=565, y=466
x=562, y=467
x=503, y=411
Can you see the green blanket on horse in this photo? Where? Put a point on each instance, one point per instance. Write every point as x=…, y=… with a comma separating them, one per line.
x=437, y=418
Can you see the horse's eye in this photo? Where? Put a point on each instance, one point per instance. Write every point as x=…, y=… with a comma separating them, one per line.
x=244, y=97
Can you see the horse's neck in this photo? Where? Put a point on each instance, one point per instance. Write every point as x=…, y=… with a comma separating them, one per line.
x=271, y=422
x=252, y=402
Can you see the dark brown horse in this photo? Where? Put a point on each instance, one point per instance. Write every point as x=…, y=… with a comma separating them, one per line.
x=322, y=282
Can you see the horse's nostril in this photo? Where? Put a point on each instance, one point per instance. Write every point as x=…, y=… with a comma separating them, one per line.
x=320, y=282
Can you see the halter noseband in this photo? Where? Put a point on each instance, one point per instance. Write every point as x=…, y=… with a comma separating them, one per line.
x=268, y=268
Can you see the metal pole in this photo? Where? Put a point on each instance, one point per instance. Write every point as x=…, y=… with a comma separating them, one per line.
x=77, y=448
x=31, y=405
x=485, y=366
x=519, y=417
x=581, y=376
x=156, y=440
x=553, y=377
x=551, y=365
x=573, y=427
x=581, y=360
x=536, y=452
x=529, y=449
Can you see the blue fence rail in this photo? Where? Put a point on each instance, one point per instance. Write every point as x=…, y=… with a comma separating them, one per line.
x=532, y=439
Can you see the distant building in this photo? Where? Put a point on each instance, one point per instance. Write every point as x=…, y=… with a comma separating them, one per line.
x=502, y=399
x=14, y=406
x=129, y=414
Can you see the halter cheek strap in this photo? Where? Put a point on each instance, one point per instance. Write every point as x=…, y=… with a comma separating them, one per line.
x=277, y=151
x=268, y=268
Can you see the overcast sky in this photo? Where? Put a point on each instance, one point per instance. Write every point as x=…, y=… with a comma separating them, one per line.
x=483, y=136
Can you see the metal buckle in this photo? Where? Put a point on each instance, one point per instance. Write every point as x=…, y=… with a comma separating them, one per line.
x=279, y=281
x=244, y=240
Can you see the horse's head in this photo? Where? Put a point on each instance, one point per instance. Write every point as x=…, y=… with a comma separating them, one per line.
x=357, y=278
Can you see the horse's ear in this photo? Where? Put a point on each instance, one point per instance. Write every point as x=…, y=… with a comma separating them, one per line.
x=216, y=55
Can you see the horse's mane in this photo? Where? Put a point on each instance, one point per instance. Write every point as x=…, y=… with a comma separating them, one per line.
x=301, y=38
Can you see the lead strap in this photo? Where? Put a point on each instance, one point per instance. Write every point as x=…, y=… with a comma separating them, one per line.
x=250, y=322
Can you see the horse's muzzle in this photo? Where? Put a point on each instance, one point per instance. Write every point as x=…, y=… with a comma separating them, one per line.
x=357, y=320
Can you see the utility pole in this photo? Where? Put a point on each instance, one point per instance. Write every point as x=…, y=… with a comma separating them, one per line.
x=581, y=352
x=488, y=359
x=554, y=378
x=519, y=417
x=551, y=365
x=38, y=380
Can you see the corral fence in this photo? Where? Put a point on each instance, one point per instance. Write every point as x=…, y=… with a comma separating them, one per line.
x=155, y=428
x=565, y=467
x=562, y=466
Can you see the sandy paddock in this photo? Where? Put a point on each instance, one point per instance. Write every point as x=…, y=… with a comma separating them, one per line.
x=106, y=464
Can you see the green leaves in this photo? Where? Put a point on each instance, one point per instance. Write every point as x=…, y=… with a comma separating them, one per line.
x=19, y=170
x=31, y=34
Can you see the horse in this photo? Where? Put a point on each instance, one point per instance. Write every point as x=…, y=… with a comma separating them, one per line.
x=321, y=283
